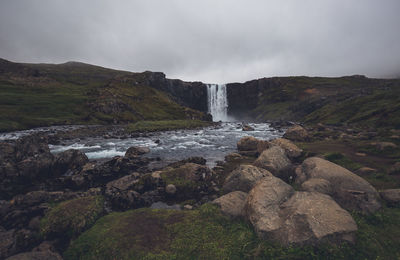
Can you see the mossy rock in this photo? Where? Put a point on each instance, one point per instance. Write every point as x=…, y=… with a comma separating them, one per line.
x=163, y=234
x=72, y=217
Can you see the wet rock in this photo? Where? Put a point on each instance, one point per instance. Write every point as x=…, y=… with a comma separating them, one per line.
x=243, y=178
x=349, y=190
x=136, y=151
x=68, y=160
x=296, y=133
x=194, y=159
x=391, y=196
x=247, y=143
x=274, y=160
x=233, y=157
x=232, y=204
x=291, y=150
x=246, y=127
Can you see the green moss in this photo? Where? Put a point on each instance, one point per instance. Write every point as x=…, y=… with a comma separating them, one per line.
x=206, y=234
x=163, y=125
x=72, y=217
x=343, y=161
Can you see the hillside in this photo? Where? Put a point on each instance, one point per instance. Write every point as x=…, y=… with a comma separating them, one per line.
x=35, y=95
x=345, y=100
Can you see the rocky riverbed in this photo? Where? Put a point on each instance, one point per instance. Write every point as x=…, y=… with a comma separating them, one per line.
x=60, y=202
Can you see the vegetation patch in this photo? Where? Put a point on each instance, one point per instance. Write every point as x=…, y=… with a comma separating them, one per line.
x=72, y=217
x=343, y=161
x=164, y=125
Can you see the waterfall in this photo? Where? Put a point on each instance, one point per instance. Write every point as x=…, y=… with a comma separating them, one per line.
x=217, y=102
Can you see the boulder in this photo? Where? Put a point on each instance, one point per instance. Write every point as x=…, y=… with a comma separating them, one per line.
x=247, y=143
x=391, y=196
x=232, y=204
x=246, y=127
x=274, y=160
x=312, y=218
x=121, y=194
x=349, y=190
x=14, y=241
x=262, y=205
x=394, y=169
x=291, y=150
x=243, y=178
x=170, y=189
x=384, y=145
x=69, y=160
x=317, y=185
x=262, y=146
x=233, y=157
x=296, y=133
x=43, y=255
x=135, y=151
x=365, y=171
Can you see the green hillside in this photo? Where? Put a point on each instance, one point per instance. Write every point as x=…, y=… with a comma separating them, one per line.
x=35, y=95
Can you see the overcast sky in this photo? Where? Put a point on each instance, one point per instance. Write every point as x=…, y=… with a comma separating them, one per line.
x=215, y=41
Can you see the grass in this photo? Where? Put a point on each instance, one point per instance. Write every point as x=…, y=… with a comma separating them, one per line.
x=343, y=161
x=206, y=234
x=163, y=125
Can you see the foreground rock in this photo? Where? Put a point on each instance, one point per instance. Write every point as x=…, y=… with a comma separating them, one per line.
x=296, y=133
x=278, y=213
x=243, y=178
x=251, y=146
x=349, y=190
x=291, y=150
x=232, y=204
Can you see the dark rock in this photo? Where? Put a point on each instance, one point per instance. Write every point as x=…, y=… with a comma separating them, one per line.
x=68, y=160
x=296, y=133
x=135, y=151
x=247, y=128
x=43, y=255
x=391, y=196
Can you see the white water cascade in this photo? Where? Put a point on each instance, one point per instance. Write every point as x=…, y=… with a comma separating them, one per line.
x=217, y=102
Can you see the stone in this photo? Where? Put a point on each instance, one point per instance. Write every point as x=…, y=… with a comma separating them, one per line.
x=274, y=160
x=233, y=157
x=365, y=171
x=391, y=196
x=312, y=218
x=262, y=146
x=384, y=145
x=262, y=204
x=247, y=143
x=135, y=151
x=121, y=194
x=291, y=150
x=170, y=189
x=69, y=160
x=243, y=178
x=246, y=127
x=349, y=190
x=394, y=169
x=317, y=185
x=232, y=204
x=296, y=133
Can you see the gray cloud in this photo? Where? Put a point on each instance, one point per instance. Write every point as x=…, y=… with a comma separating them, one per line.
x=208, y=40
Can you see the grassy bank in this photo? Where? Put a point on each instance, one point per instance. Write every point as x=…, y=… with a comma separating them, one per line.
x=164, y=125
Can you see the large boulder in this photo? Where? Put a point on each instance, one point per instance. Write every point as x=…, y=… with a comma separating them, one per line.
x=243, y=178
x=317, y=185
x=349, y=190
x=262, y=204
x=280, y=214
x=311, y=218
x=291, y=150
x=232, y=204
x=296, y=133
x=274, y=160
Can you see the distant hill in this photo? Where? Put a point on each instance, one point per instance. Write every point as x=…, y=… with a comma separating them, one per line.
x=33, y=95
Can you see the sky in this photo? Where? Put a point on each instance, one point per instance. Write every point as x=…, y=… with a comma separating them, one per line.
x=213, y=41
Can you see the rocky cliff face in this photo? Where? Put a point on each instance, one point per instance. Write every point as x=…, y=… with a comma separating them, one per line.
x=189, y=94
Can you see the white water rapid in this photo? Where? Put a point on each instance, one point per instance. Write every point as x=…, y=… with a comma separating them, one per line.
x=217, y=102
